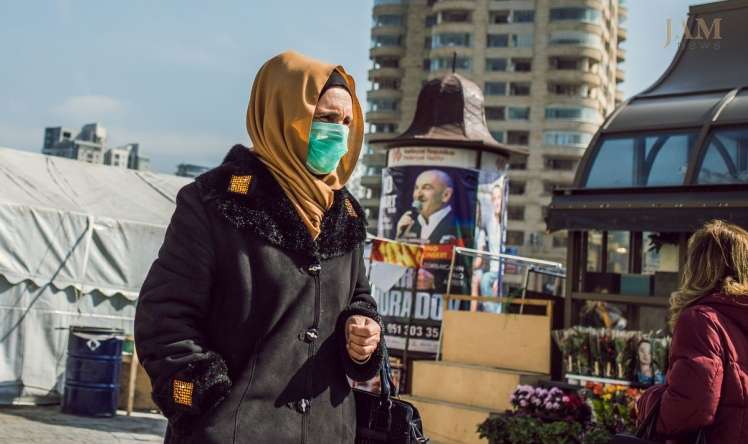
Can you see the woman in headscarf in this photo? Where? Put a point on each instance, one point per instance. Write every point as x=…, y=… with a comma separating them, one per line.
x=258, y=306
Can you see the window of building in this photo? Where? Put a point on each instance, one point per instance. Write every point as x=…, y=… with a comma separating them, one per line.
x=548, y=187
x=560, y=164
x=388, y=20
x=569, y=89
x=518, y=137
x=581, y=113
x=426, y=67
x=496, y=65
x=379, y=41
x=498, y=135
x=384, y=62
x=559, y=241
x=575, y=13
x=726, y=159
x=516, y=188
x=455, y=17
x=385, y=84
x=573, y=138
x=451, y=39
x=497, y=40
x=518, y=113
x=382, y=127
x=515, y=212
x=522, y=40
x=523, y=16
x=521, y=65
x=495, y=88
x=517, y=163
x=427, y=42
x=519, y=89
x=515, y=237
x=495, y=113
x=499, y=17
x=658, y=159
x=463, y=63
x=565, y=63
x=384, y=105
x=430, y=21
x=576, y=38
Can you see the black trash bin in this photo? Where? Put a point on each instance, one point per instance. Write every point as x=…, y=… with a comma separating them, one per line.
x=92, y=371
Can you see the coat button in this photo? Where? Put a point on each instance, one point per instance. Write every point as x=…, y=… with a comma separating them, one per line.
x=302, y=405
x=310, y=335
x=314, y=268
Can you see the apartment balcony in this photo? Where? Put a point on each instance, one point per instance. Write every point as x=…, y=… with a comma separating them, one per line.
x=619, y=75
x=375, y=159
x=622, y=34
x=453, y=27
x=387, y=30
x=620, y=55
x=451, y=5
x=389, y=7
x=576, y=51
x=623, y=10
x=387, y=51
x=371, y=202
x=374, y=182
x=619, y=96
x=385, y=73
x=383, y=116
x=574, y=76
x=384, y=93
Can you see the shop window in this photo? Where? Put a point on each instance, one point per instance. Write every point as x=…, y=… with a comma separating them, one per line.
x=726, y=158
x=644, y=160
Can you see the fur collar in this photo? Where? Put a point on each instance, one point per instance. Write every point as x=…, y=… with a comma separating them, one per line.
x=265, y=210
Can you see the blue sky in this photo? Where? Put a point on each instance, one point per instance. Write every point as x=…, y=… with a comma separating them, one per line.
x=175, y=75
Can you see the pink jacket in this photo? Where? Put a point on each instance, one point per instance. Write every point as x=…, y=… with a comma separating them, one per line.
x=707, y=384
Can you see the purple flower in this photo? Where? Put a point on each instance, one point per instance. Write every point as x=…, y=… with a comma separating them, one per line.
x=523, y=403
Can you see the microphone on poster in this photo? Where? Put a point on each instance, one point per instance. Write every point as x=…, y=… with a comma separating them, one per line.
x=415, y=208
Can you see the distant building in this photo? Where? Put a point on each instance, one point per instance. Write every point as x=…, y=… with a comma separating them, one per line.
x=89, y=145
x=189, y=170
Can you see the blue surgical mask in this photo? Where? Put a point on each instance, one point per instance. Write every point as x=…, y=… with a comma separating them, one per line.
x=328, y=143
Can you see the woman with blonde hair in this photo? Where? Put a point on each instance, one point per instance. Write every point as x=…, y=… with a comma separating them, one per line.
x=707, y=385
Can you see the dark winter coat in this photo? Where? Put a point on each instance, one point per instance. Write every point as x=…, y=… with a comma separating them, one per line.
x=707, y=384
x=240, y=320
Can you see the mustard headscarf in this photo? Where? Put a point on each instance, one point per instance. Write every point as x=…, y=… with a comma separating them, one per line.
x=279, y=117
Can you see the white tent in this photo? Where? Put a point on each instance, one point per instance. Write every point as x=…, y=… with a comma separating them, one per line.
x=76, y=241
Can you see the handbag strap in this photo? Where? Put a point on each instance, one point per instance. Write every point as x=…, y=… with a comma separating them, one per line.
x=388, y=386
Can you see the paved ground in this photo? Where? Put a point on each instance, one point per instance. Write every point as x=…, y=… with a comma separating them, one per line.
x=48, y=425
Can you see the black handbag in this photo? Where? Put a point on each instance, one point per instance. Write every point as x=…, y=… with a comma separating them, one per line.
x=646, y=433
x=382, y=418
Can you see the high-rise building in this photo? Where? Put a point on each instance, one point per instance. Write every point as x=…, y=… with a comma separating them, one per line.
x=549, y=71
x=89, y=145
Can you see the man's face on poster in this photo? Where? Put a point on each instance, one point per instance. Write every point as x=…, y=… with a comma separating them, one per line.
x=433, y=190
